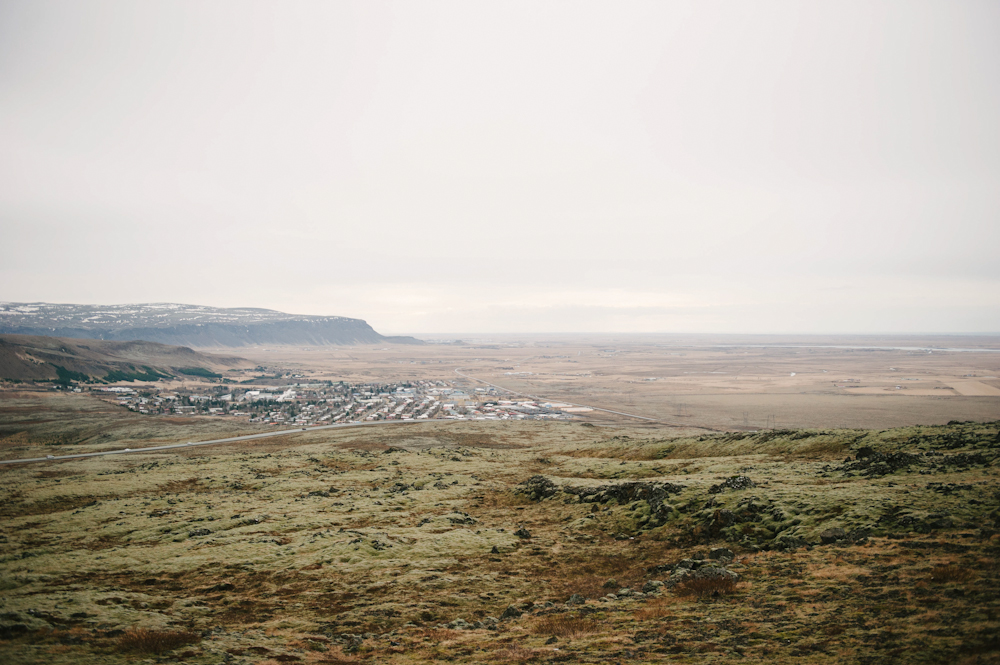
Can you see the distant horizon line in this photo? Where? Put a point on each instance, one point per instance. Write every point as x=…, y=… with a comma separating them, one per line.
x=749, y=334
x=480, y=334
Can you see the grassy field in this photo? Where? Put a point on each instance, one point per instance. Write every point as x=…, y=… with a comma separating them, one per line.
x=43, y=422
x=497, y=542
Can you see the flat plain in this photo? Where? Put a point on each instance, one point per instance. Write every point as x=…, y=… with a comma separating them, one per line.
x=715, y=382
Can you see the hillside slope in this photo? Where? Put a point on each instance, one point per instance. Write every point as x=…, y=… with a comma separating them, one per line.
x=187, y=325
x=494, y=543
x=34, y=358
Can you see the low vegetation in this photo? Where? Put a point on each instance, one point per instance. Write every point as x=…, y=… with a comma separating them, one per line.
x=505, y=542
x=706, y=587
x=131, y=373
x=199, y=371
x=144, y=640
x=566, y=625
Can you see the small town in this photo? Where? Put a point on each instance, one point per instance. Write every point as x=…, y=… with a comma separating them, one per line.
x=331, y=403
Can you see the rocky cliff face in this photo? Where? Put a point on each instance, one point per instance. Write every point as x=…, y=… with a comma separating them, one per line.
x=187, y=325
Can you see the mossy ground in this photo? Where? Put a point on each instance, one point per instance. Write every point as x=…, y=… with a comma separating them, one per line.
x=281, y=551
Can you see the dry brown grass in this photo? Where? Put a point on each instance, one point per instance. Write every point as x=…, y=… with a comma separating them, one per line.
x=565, y=625
x=661, y=608
x=438, y=634
x=56, y=473
x=839, y=570
x=706, y=587
x=337, y=659
x=625, y=562
x=48, y=506
x=193, y=485
x=515, y=653
x=507, y=499
x=143, y=640
x=949, y=572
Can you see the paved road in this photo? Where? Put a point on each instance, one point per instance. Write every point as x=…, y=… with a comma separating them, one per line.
x=587, y=406
x=247, y=437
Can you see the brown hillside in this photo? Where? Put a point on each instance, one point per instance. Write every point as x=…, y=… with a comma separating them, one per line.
x=29, y=357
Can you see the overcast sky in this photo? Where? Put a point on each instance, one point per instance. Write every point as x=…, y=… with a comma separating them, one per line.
x=510, y=167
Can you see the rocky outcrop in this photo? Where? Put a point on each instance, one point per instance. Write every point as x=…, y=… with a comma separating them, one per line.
x=732, y=483
x=873, y=464
x=700, y=565
x=655, y=496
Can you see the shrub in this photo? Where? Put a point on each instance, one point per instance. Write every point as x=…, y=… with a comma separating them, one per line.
x=148, y=374
x=706, y=586
x=143, y=640
x=66, y=375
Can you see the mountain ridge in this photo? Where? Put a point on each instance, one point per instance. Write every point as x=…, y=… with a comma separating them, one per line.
x=187, y=325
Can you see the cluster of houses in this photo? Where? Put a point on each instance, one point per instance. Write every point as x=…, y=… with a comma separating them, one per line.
x=331, y=403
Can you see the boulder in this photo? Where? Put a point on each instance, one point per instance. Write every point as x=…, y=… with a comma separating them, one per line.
x=858, y=536
x=721, y=554
x=511, y=613
x=831, y=536
x=538, y=487
x=721, y=519
x=461, y=518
